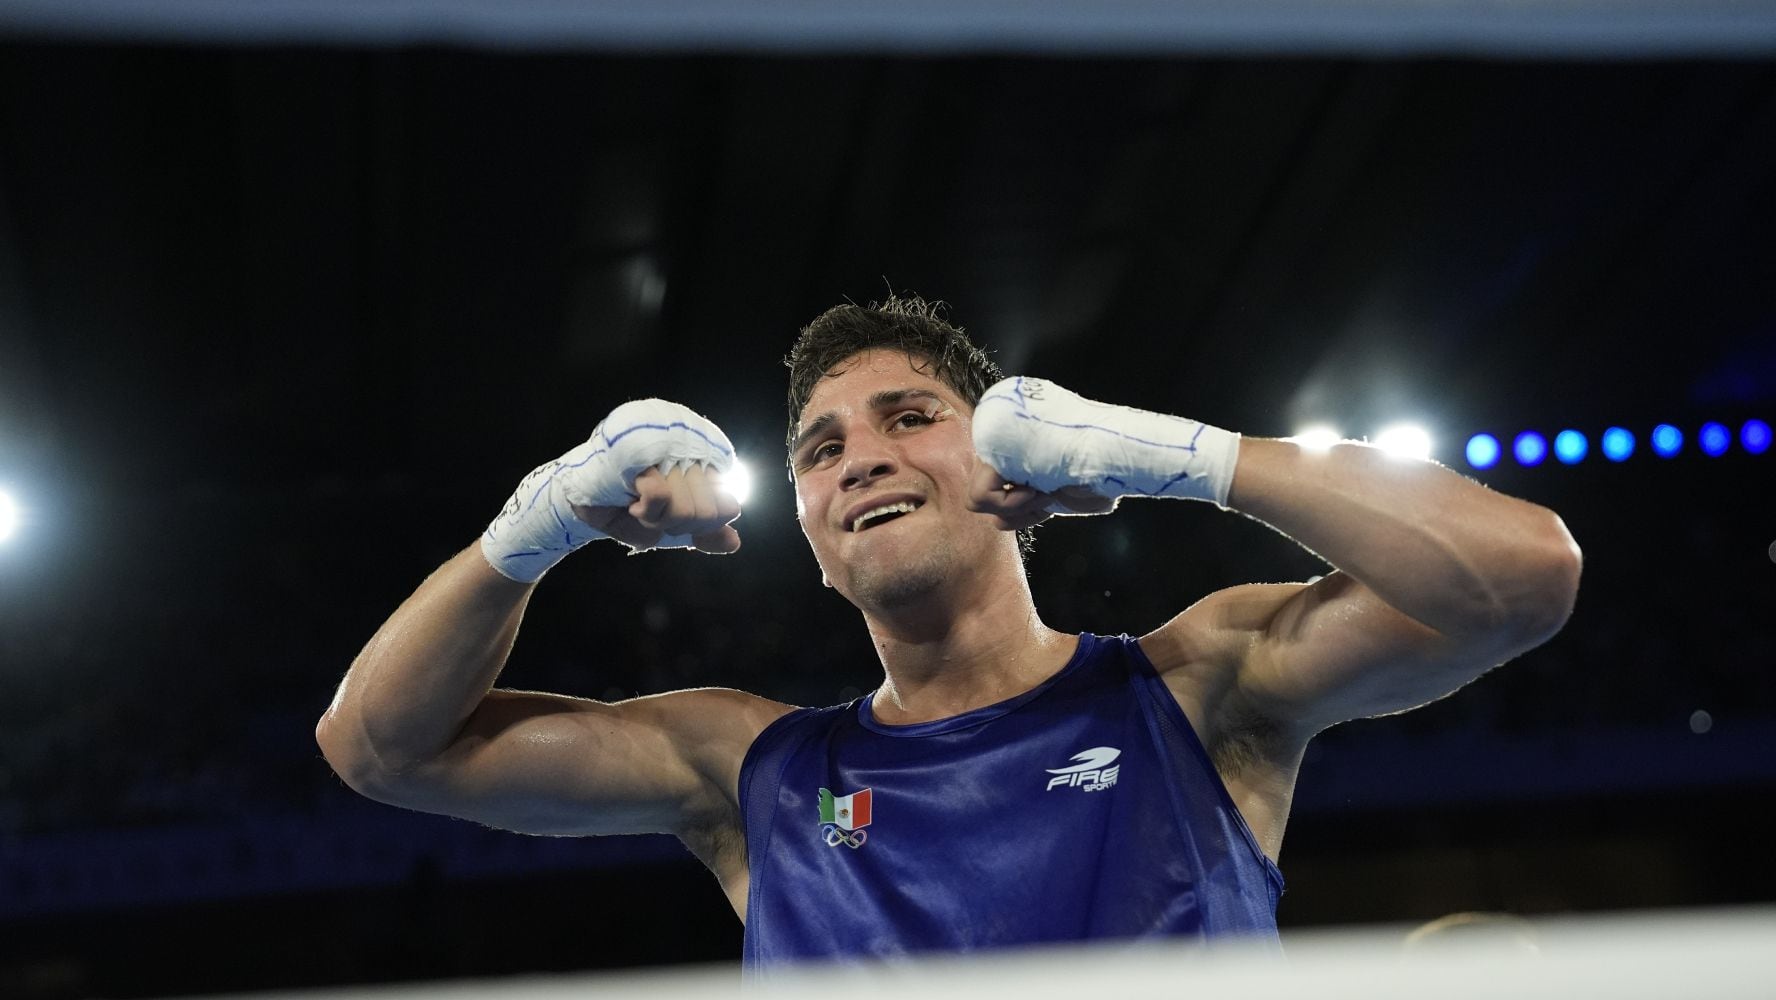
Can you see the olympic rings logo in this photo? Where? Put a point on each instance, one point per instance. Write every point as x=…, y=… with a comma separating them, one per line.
x=835, y=836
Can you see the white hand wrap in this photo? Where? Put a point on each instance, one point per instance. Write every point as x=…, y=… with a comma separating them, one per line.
x=538, y=527
x=1035, y=433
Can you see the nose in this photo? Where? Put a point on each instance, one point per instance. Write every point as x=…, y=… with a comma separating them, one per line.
x=864, y=464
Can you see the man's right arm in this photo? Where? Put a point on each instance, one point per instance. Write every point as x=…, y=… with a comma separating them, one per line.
x=417, y=722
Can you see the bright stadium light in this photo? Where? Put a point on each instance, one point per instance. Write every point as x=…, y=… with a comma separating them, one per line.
x=9, y=516
x=1667, y=440
x=1714, y=439
x=1483, y=451
x=1317, y=437
x=1405, y=440
x=1529, y=448
x=1755, y=436
x=737, y=482
x=1618, y=444
x=1571, y=447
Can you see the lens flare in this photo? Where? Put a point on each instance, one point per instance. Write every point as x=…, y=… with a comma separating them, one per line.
x=737, y=482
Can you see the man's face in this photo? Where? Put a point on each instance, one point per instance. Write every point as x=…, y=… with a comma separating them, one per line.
x=879, y=434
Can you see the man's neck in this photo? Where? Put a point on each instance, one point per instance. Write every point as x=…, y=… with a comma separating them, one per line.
x=950, y=657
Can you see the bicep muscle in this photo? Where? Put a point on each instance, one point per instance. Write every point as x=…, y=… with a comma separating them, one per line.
x=549, y=764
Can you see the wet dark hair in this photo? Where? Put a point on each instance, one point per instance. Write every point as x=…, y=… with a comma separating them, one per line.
x=904, y=323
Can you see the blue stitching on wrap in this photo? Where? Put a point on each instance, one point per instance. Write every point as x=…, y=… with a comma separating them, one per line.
x=566, y=532
x=625, y=432
x=609, y=440
x=1168, y=484
x=1191, y=447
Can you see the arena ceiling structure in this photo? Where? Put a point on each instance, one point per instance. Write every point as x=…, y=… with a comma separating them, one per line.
x=292, y=293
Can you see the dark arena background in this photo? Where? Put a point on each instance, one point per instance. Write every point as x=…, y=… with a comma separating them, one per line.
x=291, y=295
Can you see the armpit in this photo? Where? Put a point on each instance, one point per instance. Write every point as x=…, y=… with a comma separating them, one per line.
x=721, y=846
x=1241, y=738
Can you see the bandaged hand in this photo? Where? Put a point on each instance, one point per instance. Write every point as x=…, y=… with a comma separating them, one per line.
x=1047, y=450
x=649, y=476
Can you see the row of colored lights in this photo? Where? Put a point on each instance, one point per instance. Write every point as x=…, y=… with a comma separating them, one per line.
x=1617, y=444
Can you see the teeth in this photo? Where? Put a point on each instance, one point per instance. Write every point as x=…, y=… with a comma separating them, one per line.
x=903, y=507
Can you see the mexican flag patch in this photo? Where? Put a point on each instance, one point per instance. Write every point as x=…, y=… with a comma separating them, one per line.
x=847, y=812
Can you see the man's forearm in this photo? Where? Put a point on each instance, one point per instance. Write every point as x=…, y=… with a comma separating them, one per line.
x=421, y=675
x=1437, y=546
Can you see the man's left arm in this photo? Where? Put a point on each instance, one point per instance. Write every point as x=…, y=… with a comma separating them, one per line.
x=1439, y=579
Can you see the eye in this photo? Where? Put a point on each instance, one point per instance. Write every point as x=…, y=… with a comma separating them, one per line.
x=825, y=451
x=912, y=418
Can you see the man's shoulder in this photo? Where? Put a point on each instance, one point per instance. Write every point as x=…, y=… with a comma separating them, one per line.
x=706, y=707
x=1201, y=652
x=713, y=727
x=1214, y=635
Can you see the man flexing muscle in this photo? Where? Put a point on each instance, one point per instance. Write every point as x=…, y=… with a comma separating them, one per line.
x=1007, y=784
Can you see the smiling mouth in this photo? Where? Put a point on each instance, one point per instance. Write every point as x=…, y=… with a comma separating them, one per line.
x=883, y=514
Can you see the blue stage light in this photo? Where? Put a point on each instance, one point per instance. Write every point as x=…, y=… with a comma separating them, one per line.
x=1618, y=444
x=1530, y=448
x=1714, y=438
x=1755, y=436
x=1571, y=447
x=1667, y=440
x=1483, y=451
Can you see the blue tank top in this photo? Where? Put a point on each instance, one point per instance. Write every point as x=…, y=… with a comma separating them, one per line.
x=1084, y=809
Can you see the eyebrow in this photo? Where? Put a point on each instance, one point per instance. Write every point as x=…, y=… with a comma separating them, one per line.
x=879, y=401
